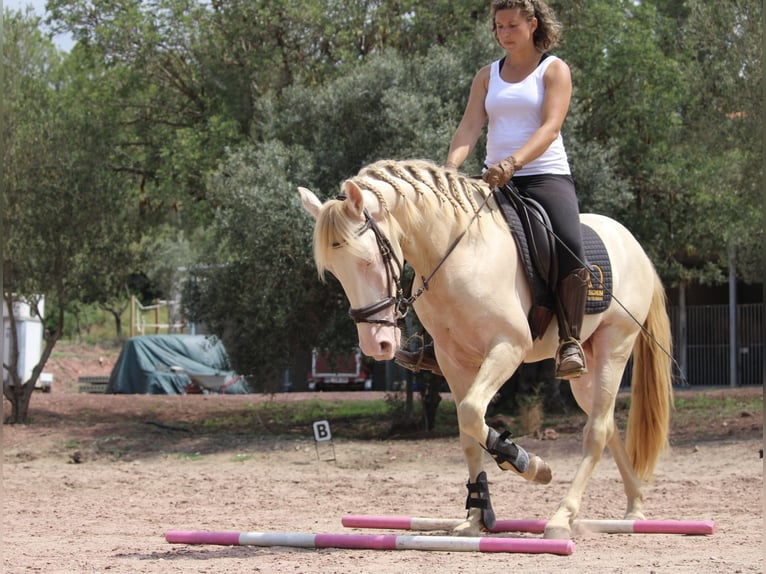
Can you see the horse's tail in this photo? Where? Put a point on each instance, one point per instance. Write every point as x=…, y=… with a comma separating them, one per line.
x=651, y=388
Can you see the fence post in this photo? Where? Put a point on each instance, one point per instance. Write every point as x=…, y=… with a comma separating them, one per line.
x=682, y=333
x=732, y=318
x=132, y=330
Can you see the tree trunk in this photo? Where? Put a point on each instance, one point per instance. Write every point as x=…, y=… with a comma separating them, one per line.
x=19, y=393
x=116, y=312
x=431, y=399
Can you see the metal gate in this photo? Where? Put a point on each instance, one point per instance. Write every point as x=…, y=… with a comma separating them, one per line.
x=707, y=346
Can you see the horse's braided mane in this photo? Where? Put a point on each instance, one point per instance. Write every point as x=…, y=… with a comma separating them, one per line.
x=447, y=186
x=334, y=229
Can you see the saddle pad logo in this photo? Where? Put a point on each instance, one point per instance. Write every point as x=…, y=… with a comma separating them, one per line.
x=596, y=284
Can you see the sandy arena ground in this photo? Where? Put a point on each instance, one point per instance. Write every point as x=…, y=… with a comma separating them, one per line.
x=76, y=499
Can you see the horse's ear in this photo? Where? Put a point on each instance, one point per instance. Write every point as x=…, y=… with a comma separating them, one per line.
x=354, y=198
x=310, y=201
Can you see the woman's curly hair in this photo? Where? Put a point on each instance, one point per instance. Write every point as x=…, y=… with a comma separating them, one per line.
x=548, y=30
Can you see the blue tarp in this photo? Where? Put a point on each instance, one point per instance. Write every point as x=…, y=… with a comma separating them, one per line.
x=162, y=365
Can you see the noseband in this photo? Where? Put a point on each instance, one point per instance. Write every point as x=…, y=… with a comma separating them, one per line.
x=394, y=269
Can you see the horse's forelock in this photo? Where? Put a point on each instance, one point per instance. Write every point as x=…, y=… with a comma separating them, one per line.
x=333, y=228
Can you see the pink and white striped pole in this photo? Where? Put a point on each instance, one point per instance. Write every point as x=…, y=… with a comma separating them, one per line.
x=697, y=527
x=373, y=542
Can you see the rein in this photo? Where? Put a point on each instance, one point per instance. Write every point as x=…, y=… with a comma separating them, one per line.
x=426, y=280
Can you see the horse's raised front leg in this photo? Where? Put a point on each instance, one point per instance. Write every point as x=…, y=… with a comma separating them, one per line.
x=472, y=409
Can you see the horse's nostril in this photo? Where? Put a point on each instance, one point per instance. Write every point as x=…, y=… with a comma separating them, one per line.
x=385, y=348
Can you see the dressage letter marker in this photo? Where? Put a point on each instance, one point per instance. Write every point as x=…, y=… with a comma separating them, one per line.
x=322, y=431
x=323, y=435
x=373, y=542
x=536, y=526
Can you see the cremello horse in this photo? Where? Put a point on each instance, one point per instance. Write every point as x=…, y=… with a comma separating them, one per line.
x=475, y=307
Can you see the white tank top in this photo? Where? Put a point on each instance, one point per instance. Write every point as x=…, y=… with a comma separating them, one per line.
x=514, y=113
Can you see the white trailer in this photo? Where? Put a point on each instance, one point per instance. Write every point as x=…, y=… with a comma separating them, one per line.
x=29, y=333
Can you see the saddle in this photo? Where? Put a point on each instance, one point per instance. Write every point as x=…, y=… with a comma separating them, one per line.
x=531, y=230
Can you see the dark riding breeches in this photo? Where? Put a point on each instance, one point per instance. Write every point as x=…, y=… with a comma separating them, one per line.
x=556, y=193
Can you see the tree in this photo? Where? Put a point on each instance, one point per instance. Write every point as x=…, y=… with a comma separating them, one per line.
x=259, y=283
x=212, y=107
x=664, y=96
x=67, y=218
x=190, y=75
x=257, y=287
x=724, y=125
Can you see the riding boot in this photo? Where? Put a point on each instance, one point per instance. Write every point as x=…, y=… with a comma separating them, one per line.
x=571, y=296
x=424, y=359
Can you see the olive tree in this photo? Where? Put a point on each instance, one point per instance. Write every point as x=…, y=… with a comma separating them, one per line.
x=66, y=217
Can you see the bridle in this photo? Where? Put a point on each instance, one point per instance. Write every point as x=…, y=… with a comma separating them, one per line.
x=394, y=270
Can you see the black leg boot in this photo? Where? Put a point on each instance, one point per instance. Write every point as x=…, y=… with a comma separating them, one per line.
x=478, y=497
x=571, y=297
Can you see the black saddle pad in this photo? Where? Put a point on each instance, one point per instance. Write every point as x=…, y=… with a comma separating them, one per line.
x=600, y=281
x=597, y=259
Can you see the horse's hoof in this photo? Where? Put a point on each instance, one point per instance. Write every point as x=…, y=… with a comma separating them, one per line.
x=467, y=528
x=635, y=516
x=538, y=470
x=557, y=533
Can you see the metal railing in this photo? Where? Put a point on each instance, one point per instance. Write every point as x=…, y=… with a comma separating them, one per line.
x=707, y=354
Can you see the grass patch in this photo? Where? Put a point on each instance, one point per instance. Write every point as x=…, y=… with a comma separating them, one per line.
x=241, y=457
x=373, y=419
x=116, y=446
x=387, y=418
x=720, y=406
x=190, y=456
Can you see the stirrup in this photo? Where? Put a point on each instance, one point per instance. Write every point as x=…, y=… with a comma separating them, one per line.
x=422, y=359
x=573, y=371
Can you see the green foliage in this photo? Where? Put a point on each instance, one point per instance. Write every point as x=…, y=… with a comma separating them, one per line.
x=724, y=129
x=175, y=133
x=259, y=291
x=667, y=111
x=390, y=105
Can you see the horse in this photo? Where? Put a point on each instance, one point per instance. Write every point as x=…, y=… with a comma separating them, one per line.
x=473, y=297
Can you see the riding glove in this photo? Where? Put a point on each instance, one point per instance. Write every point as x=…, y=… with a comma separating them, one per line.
x=500, y=174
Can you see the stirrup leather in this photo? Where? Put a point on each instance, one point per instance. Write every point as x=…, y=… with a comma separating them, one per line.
x=422, y=359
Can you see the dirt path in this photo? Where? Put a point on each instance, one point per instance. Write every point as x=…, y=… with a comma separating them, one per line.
x=65, y=512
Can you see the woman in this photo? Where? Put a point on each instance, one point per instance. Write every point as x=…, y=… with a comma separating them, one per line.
x=524, y=98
